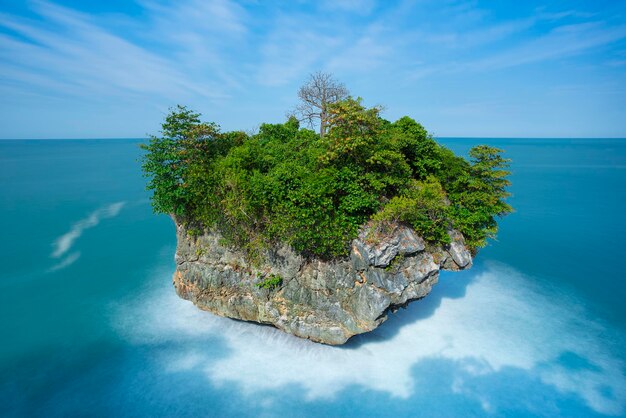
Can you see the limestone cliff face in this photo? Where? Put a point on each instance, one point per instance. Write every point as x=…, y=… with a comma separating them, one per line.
x=325, y=301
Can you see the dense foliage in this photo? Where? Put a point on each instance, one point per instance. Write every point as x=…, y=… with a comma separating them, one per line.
x=287, y=184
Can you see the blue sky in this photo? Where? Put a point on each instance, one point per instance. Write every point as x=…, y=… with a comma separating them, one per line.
x=78, y=69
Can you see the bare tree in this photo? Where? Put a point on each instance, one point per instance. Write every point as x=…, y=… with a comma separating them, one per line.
x=316, y=94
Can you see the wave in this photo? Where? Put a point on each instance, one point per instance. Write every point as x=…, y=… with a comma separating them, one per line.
x=502, y=320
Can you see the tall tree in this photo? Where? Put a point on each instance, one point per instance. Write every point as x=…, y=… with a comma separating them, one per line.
x=480, y=195
x=174, y=160
x=316, y=94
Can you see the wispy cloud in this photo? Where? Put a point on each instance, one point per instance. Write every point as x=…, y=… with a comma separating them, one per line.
x=563, y=41
x=223, y=56
x=204, y=38
x=291, y=50
x=353, y=6
x=366, y=53
x=78, y=56
x=472, y=37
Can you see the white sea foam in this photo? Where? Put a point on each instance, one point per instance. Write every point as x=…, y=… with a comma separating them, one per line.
x=65, y=262
x=64, y=243
x=504, y=320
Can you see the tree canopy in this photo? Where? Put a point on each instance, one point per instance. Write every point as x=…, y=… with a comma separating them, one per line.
x=286, y=184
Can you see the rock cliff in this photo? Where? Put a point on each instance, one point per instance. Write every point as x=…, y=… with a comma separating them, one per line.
x=325, y=301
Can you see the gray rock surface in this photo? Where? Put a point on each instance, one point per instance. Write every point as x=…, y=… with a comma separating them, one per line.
x=325, y=301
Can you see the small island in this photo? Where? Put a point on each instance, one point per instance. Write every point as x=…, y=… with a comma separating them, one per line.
x=320, y=233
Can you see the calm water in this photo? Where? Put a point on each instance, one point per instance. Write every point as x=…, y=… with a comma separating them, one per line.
x=91, y=324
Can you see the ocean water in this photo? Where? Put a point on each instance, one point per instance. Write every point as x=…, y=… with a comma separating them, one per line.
x=91, y=326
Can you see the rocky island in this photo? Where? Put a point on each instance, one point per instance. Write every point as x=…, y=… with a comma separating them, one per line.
x=325, y=301
x=319, y=234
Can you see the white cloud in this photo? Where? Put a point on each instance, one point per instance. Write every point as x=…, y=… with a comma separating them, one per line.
x=204, y=37
x=293, y=49
x=225, y=58
x=353, y=6
x=365, y=54
x=77, y=55
x=503, y=321
x=563, y=41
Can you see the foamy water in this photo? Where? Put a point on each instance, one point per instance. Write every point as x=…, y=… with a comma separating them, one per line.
x=501, y=320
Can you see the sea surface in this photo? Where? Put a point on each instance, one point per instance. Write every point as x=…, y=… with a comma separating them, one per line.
x=90, y=324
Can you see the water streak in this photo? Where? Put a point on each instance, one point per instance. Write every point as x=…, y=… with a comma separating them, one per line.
x=65, y=241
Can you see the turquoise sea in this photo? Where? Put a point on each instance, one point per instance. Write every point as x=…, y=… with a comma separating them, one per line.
x=90, y=324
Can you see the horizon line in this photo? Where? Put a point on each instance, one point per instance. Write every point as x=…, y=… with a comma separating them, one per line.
x=434, y=136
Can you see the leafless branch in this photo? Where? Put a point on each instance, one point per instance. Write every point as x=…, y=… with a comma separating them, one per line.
x=316, y=94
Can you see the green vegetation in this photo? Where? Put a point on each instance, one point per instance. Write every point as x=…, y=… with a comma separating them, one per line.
x=288, y=184
x=271, y=282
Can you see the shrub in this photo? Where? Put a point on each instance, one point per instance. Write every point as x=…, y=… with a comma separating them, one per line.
x=271, y=282
x=422, y=206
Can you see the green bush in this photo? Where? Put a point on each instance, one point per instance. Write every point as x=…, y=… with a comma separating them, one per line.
x=271, y=282
x=285, y=184
x=422, y=206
